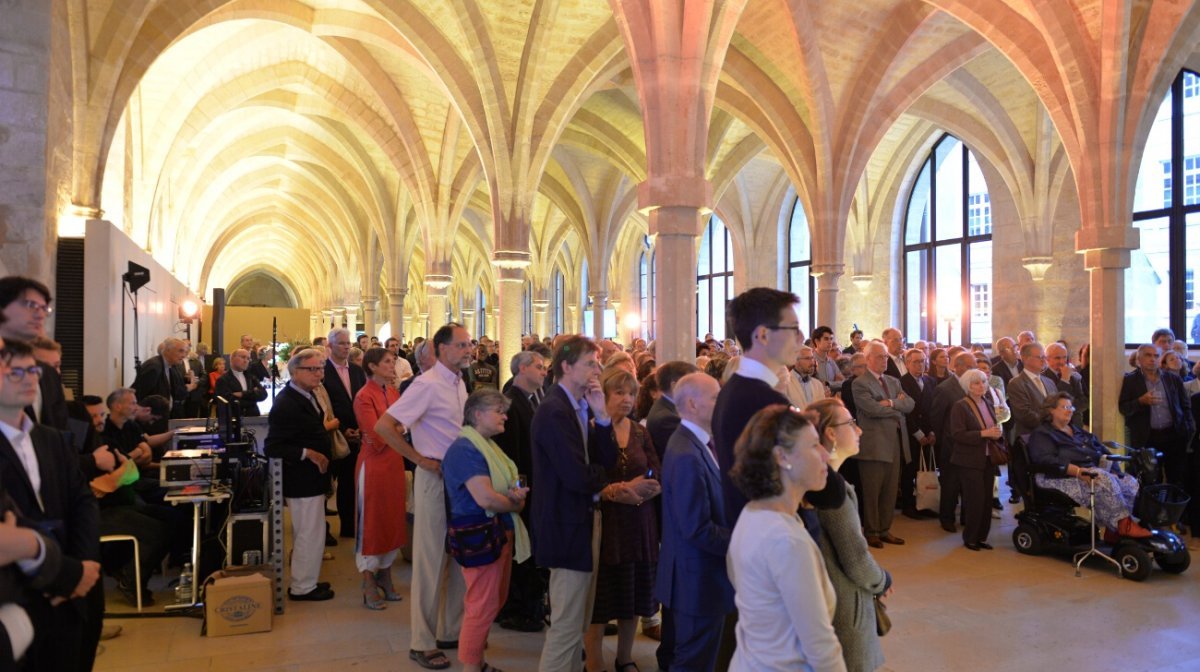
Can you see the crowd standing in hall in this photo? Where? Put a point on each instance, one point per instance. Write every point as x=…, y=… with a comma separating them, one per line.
x=591, y=484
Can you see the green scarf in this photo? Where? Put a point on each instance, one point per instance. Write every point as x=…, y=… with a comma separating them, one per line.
x=503, y=474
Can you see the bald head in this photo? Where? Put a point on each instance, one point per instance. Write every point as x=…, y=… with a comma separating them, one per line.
x=963, y=362
x=695, y=397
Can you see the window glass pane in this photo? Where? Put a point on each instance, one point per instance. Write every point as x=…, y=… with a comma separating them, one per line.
x=1191, y=138
x=718, y=308
x=1153, y=190
x=702, y=306
x=728, y=251
x=1192, y=304
x=914, y=283
x=947, y=263
x=703, y=259
x=916, y=229
x=799, y=247
x=718, y=246
x=979, y=292
x=949, y=194
x=979, y=205
x=1147, y=285
x=798, y=284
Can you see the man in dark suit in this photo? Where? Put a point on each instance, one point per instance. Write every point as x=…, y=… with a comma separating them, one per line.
x=40, y=473
x=297, y=436
x=893, y=340
x=1006, y=363
x=25, y=306
x=692, y=583
x=919, y=387
x=663, y=418
x=571, y=459
x=196, y=404
x=238, y=385
x=32, y=561
x=944, y=396
x=160, y=375
x=1158, y=412
x=343, y=380
x=524, y=609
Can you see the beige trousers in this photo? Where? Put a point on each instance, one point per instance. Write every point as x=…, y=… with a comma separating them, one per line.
x=572, y=595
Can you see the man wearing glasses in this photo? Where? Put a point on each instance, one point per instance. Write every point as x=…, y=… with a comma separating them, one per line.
x=26, y=307
x=297, y=435
x=882, y=410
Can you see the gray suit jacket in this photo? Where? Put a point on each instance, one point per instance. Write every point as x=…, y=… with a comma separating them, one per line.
x=1025, y=400
x=879, y=423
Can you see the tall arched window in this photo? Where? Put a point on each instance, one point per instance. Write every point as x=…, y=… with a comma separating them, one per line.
x=948, y=249
x=1160, y=282
x=800, y=280
x=646, y=291
x=480, y=313
x=560, y=299
x=714, y=279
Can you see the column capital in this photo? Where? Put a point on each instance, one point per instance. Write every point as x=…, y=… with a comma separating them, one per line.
x=1109, y=237
x=682, y=191
x=827, y=270
x=1115, y=258
x=511, y=274
x=598, y=296
x=511, y=259
x=438, y=281
x=368, y=299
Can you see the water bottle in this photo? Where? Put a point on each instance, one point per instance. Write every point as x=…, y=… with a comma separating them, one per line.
x=183, y=590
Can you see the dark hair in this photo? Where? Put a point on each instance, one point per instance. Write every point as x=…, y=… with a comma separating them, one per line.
x=1051, y=402
x=443, y=336
x=646, y=368
x=856, y=332
x=542, y=349
x=1158, y=333
x=91, y=400
x=645, y=397
x=157, y=404
x=391, y=339
x=756, y=307
x=570, y=350
x=14, y=348
x=755, y=471
x=669, y=373
x=373, y=357
x=13, y=286
x=319, y=341
x=820, y=332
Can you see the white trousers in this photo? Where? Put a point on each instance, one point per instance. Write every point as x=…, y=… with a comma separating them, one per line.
x=572, y=595
x=435, y=575
x=308, y=542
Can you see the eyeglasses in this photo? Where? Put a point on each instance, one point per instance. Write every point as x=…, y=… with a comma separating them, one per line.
x=783, y=327
x=18, y=374
x=35, y=306
x=852, y=422
x=310, y=369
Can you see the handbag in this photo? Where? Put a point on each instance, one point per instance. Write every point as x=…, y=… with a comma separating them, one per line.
x=929, y=489
x=475, y=541
x=339, y=444
x=996, y=452
x=883, y=623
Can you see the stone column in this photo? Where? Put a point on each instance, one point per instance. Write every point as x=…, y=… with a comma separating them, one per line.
x=511, y=295
x=572, y=326
x=339, y=317
x=541, y=321
x=827, y=294
x=395, y=296
x=438, y=303
x=1106, y=278
x=352, y=321
x=326, y=321
x=599, y=299
x=314, y=325
x=675, y=281
x=368, y=309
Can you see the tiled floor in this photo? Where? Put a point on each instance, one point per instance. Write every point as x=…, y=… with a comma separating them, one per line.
x=953, y=610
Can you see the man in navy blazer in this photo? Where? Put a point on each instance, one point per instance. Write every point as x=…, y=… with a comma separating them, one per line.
x=571, y=459
x=692, y=583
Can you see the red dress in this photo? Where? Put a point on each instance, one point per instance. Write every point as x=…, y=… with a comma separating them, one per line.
x=382, y=521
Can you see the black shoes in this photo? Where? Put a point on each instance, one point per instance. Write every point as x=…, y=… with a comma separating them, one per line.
x=318, y=594
x=330, y=540
x=521, y=624
x=452, y=644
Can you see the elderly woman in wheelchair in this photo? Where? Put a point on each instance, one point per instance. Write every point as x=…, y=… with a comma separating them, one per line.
x=1073, y=459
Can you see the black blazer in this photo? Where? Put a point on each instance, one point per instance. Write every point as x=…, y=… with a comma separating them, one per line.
x=919, y=418
x=517, y=442
x=567, y=483
x=738, y=401
x=661, y=422
x=54, y=402
x=151, y=381
x=968, y=448
x=1001, y=369
x=1137, y=415
x=71, y=516
x=891, y=369
x=343, y=404
x=944, y=395
x=294, y=424
x=227, y=385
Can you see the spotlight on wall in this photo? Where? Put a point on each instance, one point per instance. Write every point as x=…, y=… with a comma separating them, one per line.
x=632, y=322
x=188, y=310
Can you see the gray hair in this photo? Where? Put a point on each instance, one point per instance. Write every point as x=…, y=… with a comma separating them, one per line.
x=481, y=400
x=419, y=352
x=117, y=395
x=522, y=358
x=338, y=332
x=302, y=356
x=970, y=377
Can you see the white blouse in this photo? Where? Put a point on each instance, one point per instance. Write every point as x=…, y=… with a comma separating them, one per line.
x=783, y=595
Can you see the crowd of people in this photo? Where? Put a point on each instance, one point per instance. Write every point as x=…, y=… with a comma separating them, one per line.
x=728, y=506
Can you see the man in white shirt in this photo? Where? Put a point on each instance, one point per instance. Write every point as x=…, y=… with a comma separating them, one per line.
x=432, y=409
x=807, y=387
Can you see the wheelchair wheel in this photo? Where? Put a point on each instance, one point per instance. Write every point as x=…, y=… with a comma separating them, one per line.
x=1027, y=540
x=1178, y=566
x=1135, y=562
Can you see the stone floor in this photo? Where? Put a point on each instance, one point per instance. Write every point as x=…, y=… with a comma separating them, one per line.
x=953, y=609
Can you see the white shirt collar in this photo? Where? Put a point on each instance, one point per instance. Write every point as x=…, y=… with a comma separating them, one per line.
x=695, y=429
x=11, y=432
x=1036, y=377
x=752, y=368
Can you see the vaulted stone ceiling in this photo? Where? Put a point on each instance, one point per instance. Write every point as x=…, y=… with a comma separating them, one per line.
x=351, y=146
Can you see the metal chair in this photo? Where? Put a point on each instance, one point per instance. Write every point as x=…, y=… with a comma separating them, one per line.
x=137, y=562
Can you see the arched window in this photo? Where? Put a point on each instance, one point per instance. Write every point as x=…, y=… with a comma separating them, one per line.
x=714, y=279
x=560, y=299
x=948, y=249
x=646, y=271
x=480, y=313
x=1160, y=282
x=800, y=280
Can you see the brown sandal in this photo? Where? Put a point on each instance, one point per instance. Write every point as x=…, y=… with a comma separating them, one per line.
x=435, y=661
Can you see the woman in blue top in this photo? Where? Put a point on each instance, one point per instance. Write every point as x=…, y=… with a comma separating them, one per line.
x=481, y=482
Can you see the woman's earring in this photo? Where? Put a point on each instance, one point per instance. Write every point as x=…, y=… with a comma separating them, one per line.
x=788, y=466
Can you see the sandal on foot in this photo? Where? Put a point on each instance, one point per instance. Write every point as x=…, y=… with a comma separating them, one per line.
x=434, y=661
x=624, y=667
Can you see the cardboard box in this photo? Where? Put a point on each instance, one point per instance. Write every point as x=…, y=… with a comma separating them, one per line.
x=235, y=605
